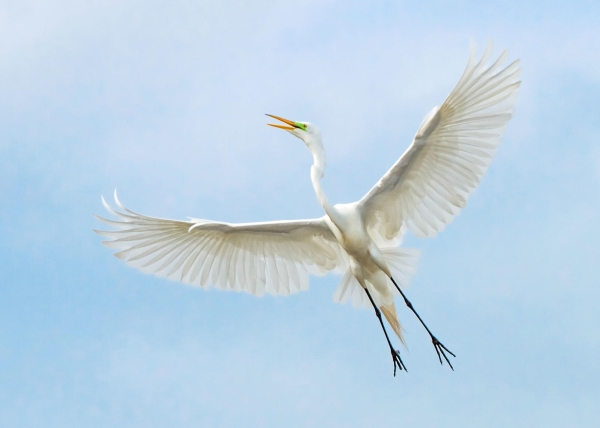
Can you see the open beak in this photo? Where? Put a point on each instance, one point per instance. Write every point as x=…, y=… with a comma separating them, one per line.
x=289, y=127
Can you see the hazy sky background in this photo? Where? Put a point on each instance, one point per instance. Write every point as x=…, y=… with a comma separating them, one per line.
x=165, y=101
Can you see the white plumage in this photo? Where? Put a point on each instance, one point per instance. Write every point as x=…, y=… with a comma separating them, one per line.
x=423, y=191
x=451, y=151
x=271, y=257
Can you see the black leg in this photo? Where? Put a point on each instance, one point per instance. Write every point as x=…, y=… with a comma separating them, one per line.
x=395, y=354
x=439, y=347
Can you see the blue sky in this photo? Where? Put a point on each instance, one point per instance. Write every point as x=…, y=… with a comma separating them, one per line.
x=165, y=101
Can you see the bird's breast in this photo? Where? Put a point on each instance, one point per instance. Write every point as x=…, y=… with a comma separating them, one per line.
x=349, y=229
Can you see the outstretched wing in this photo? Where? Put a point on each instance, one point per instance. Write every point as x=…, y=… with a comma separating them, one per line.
x=451, y=151
x=272, y=257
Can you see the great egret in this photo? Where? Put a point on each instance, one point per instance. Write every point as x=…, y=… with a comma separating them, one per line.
x=423, y=191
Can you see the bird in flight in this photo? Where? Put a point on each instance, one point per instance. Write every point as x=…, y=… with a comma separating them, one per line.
x=422, y=191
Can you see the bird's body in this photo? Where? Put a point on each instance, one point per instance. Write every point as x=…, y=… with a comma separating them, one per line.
x=367, y=264
x=422, y=192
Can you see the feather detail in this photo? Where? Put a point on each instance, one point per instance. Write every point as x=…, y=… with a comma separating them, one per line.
x=451, y=151
x=275, y=257
x=389, y=312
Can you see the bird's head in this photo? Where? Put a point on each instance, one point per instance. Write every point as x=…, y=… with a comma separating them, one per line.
x=303, y=130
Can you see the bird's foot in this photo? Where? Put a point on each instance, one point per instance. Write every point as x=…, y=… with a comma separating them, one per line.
x=439, y=349
x=398, y=361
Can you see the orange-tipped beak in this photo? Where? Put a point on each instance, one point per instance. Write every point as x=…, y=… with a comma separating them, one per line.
x=291, y=124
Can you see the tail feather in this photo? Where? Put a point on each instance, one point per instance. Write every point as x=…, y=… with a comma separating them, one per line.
x=389, y=311
x=402, y=263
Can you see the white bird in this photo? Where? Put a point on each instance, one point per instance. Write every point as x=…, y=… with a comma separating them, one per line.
x=422, y=191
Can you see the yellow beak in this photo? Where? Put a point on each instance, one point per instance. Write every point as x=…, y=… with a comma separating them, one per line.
x=291, y=124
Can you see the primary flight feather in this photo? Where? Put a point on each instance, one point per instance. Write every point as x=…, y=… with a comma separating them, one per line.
x=422, y=191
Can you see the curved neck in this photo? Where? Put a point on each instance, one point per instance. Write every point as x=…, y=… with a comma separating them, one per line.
x=316, y=173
